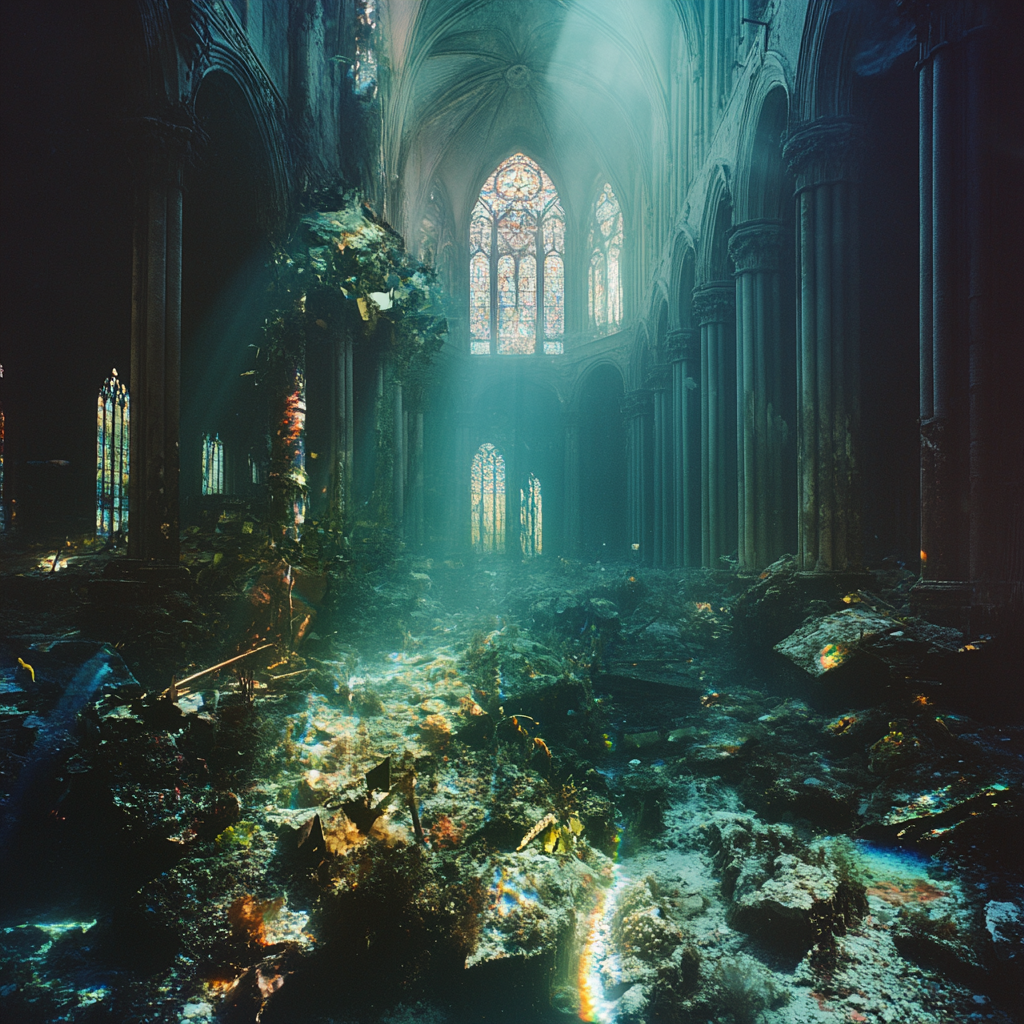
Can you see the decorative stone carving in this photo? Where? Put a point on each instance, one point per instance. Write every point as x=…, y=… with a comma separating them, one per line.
x=681, y=343
x=829, y=149
x=659, y=377
x=163, y=145
x=714, y=303
x=635, y=403
x=756, y=245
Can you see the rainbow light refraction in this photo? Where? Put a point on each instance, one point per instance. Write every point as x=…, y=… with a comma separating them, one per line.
x=597, y=955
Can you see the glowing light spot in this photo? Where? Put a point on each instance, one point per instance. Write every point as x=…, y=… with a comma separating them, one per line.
x=924, y=555
x=832, y=656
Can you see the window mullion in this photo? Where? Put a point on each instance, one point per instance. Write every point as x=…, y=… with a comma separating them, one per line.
x=493, y=282
x=540, y=332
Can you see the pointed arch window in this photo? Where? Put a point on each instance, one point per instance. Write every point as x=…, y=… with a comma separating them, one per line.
x=488, y=500
x=213, y=464
x=112, y=427
x=530, y=518
x=605, y=244
x=517, y=263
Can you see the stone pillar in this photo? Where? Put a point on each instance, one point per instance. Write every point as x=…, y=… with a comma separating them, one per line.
x=161, y=153
x=761, y=431
x=659, y=382
x=714, y=310
x=572, y=541
x=635, y=407
x=951, y=302
x=824, y=156
x=398, y=457
x=416, y=534
x=684, y=349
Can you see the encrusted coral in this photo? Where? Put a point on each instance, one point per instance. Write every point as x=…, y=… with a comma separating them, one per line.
x=437, y=733
x=640, y=928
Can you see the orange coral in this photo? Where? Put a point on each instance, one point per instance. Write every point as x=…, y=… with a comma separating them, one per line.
x=247, y=916
x=445, y=834
x=898, y=893
x=436, y=732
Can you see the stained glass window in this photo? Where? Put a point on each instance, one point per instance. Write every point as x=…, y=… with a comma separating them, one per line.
x=488, y=500
x=605, y=244
x=516, y=259
x=530, y=518
x=213, y=464
x=112, y=426
x=364, y=70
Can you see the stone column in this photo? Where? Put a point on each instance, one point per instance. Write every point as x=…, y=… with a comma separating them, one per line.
x=419, y=479
x=952, y=300
x=571, y=539
x=684, y=349
x=659, y=381
x=760, y=430
x=398, y=457
x=824, y=156
x=714, y=310
x=635, y=406
x=161, y=151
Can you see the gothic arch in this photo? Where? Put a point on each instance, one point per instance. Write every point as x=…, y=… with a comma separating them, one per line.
x=760, y=172
x=641, y=360
x=713, y=263
x=824, y=76
x=266, y=111
x=682, y=269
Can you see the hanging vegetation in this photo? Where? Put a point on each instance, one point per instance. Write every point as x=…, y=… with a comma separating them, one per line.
x=346, y=276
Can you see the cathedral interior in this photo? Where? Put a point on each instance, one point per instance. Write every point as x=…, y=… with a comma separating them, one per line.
x=512, y=510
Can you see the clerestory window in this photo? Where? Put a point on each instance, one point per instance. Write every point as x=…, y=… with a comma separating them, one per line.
x=517, y=263
x=605, y=244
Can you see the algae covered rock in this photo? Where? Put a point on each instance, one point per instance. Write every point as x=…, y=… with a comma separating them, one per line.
x=832, y=641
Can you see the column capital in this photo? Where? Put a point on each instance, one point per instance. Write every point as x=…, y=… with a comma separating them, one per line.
x=659, y=377
x=714, y=303
x=756, y=245
x=164, y=143
x=824, y=150
x=681, y=343
x=635, y=403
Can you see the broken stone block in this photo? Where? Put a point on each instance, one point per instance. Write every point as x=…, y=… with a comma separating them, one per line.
x=832, y=641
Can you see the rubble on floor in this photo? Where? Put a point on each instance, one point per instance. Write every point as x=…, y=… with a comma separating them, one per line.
x=449, y=793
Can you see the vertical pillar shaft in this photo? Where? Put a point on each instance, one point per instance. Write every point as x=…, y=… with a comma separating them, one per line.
x=156, y=341
x=398, y=466
x=713, y=306
x=824, y=156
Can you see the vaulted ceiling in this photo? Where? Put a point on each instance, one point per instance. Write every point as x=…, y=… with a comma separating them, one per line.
x=580, y=85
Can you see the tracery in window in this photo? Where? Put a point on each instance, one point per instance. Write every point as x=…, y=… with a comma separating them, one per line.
x=112, y=426
x=517, y=260
x=605, y=244
x=213, y=464
x=364, y=69
x=530, y=518
x=488, y=500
